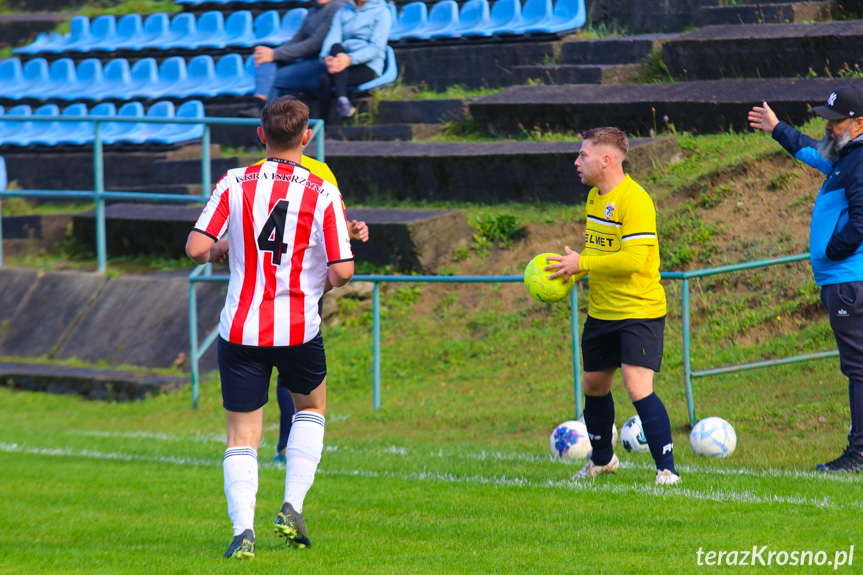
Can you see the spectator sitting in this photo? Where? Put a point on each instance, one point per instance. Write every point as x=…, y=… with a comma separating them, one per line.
x=294, y=66
x=354, y=52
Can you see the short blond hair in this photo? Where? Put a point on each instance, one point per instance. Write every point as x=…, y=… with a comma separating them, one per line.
x=609, y=137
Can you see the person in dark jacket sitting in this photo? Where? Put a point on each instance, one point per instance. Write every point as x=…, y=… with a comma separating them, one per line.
x=294, y=66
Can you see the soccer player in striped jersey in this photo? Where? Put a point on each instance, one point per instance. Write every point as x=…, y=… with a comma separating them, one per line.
x=288, y=240
x=626, y=307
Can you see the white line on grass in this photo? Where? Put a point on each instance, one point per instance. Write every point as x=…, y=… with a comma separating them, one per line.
x=716, y=495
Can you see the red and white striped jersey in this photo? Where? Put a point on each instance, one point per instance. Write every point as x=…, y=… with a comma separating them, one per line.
x=285, y=226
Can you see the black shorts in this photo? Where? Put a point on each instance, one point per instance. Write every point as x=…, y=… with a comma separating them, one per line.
x=608, y=343
x=246, y=370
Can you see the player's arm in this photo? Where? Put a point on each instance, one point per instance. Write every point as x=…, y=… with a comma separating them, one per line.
x=203, y=249
x=203, y=245
x=628, y=260
x=358, y=231
x=567, y=266
x=794, y=141
x=340, y=273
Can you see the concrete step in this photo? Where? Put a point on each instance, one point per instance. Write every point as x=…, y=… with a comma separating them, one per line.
x=765, y=13
x=579, y=73
x=765, y=50
x=699, y=106
x=94, y=384
x=422, y=111
x=624, y=50
x=383, y=132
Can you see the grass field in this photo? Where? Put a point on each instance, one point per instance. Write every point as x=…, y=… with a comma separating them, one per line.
x=452, y=475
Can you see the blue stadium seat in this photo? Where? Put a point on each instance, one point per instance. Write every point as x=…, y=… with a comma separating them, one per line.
x=238, y=32
x=11, y=75
x=61, y=73
x=156, y=26
x=11, y=129
x=233, y=76
x=267, y=26
x=474, y=13
x=144, y=75
x=443, y=16
x=533, y=12
x=88, y=75
x=172, y=73
x=3, y=178
x=128, y=27
x=116, y=78
x=568, y=15
x=503, y=14
x=182, y=25
x=44, y=40
x=209, y=25
x=113, y=131
x=388, y=76
x=34, y=130
x=414, y=16
x=291, y=22
x=200, y=79
x=33, y=73
x=176, y=133
x=163, y=109
x=87, y=130
x=54, y=137
x=79, y=30
x=103, y=28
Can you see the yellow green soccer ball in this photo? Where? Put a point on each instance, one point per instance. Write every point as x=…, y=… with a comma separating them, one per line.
x=539, y=286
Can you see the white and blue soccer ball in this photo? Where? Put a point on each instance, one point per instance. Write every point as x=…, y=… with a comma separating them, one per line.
x=632, y=435
x=569, y=440
x=713, y=437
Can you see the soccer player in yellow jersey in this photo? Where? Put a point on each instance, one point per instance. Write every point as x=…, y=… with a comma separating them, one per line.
x=626, y=306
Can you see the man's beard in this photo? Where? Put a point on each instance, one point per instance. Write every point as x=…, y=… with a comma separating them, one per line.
x=830, y=145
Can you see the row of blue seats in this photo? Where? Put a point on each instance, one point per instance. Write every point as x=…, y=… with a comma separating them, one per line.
x=476, y=21
x=199, y=2
x=145, y=79
x=202, y=77
x=73, y=133
x=211, y=31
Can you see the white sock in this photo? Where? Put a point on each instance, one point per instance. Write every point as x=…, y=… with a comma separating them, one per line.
x=305, y=444
x=241, y=486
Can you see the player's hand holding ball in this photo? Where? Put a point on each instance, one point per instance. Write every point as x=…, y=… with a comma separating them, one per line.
x=540, y=283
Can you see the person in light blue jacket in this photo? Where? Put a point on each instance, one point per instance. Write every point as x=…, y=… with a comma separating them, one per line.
x=354, y=52
x=836, y=238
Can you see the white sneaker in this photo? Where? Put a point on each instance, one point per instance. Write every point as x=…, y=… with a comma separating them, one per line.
x=666, y=477
x=591, y=470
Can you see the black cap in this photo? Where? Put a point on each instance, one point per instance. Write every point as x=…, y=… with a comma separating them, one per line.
x=844, y=102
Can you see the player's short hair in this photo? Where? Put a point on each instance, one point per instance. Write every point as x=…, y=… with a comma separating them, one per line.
x=285, y=120
x=609, y=137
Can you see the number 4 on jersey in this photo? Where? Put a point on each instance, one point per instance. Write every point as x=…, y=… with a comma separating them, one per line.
x=269, y=240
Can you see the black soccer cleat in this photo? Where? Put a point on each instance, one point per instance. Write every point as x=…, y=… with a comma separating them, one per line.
x=848, y=462
x=242, y=547
x=290, y=525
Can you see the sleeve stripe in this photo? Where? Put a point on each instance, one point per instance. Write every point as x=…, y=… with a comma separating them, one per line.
x=340, y=261
x=209, y=235
x=638, y=236
x=604, y=222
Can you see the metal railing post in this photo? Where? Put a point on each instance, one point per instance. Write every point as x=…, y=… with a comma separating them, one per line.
x=576, y=357
x=206, y=164
x=99, y=175
x=319, y=142
x=1, y=232
x=687, y=361
x=193, y=342
x=376, y=345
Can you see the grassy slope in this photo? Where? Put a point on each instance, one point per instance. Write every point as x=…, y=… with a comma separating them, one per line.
x=452, y=474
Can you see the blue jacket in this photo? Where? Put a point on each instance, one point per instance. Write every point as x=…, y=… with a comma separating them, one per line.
x=836, y=235
x=363, y=33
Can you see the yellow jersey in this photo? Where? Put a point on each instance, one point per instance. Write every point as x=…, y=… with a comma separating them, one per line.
x=621, y=218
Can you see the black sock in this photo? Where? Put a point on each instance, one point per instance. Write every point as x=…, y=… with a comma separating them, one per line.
x=657, y=430
x=599, y=419
x=855, y=397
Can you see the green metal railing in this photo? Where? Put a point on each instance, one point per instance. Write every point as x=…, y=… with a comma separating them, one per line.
x=99, y=195
x=198, y=351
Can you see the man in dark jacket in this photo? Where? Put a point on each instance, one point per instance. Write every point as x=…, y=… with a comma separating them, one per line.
x=836, y=238
x=294, y=66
